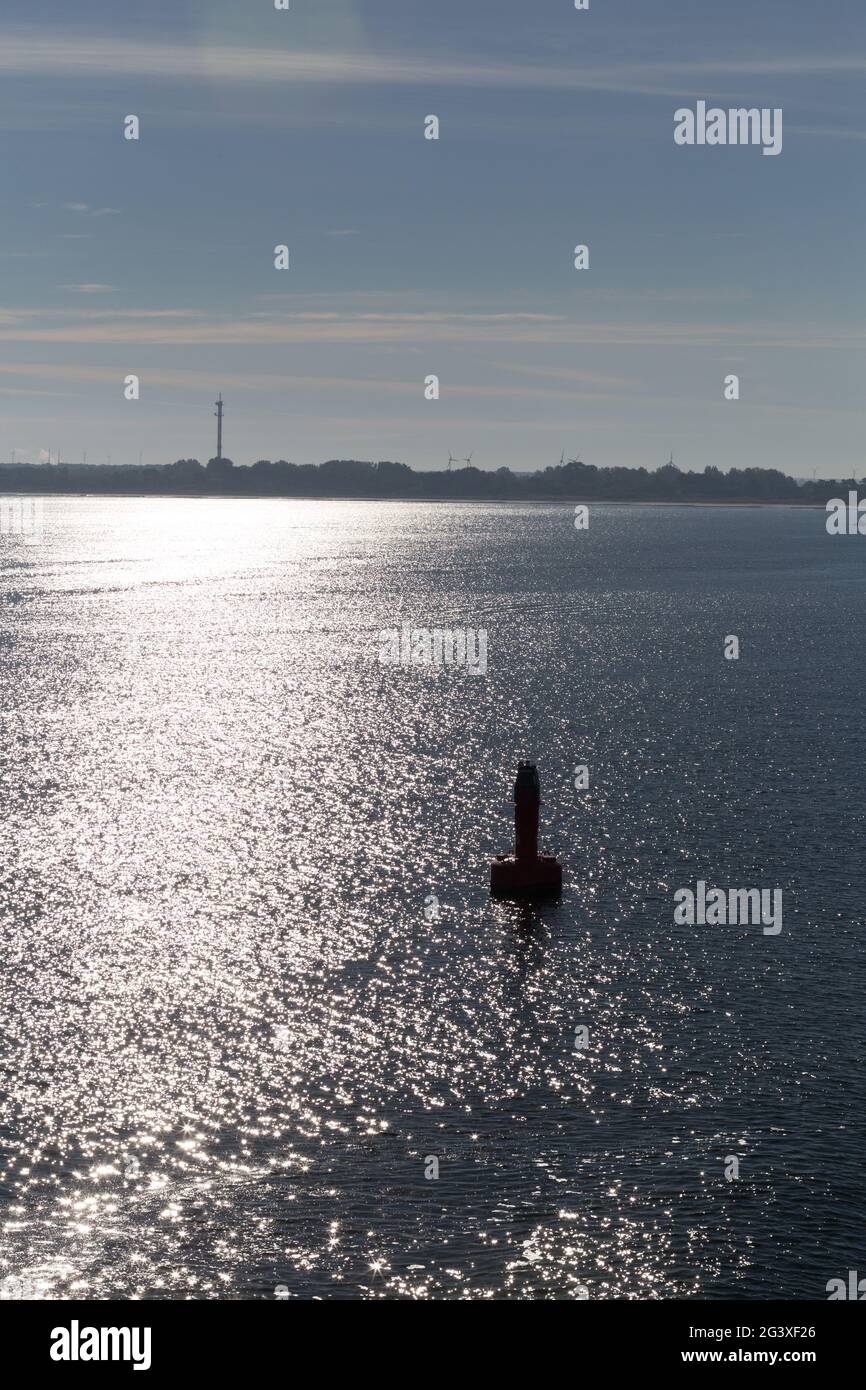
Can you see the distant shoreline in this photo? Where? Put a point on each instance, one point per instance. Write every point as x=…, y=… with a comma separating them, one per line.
x=577, y=500
x=359, y=480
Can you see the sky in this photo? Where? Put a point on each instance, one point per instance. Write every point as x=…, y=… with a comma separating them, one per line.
x=412, y=257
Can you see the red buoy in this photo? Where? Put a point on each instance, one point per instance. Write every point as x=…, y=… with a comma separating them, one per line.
x=525, y=872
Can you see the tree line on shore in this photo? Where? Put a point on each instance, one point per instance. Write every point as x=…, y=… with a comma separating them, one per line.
x=571, y=481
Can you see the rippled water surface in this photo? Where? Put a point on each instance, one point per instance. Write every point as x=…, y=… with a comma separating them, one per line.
x=235, y=1028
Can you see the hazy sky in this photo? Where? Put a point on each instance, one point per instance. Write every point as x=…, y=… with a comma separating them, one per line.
x=411, y=257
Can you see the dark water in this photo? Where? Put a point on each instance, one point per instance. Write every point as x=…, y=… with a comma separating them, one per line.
x=233, y=1038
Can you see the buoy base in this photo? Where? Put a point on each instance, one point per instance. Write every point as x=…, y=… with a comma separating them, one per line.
x=523, y=878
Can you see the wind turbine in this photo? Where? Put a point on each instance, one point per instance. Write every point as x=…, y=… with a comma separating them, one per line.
x=469, y=460
x=451, y=459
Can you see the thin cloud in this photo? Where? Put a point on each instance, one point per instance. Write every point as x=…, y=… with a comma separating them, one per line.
x=827, y=132
x=32, y=52
x=84, y=209
x=23, y=316
x=29, y=391
x=456, y=330
x=90, y=289
x=184, y=378
x=576, y=375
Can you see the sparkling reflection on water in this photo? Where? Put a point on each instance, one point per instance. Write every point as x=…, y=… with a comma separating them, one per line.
x=235, y=1025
